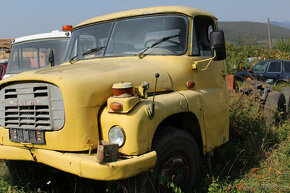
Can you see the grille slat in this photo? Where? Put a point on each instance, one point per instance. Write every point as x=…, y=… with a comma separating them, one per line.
x=28, y=116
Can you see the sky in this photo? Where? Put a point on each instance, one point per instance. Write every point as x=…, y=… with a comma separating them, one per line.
x=26, y=17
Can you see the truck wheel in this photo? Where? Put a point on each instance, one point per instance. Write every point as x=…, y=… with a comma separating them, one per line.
x=275, y=105
x=178, y=160
x=286, y=92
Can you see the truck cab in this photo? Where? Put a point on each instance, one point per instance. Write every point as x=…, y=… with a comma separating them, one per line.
x=32, y=52
x=139, y=89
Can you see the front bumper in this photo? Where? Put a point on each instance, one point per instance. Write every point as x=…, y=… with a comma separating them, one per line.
x=81, y=164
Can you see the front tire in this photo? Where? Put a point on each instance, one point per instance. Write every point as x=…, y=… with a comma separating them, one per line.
x=178, y=160
x=178, y=163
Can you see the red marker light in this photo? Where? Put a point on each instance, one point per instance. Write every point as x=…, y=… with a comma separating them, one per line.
x=123, y=89
x=67, y=28
x=190, y=84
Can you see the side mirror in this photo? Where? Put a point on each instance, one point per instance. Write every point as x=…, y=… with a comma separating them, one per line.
x=51, y=58
x=218, y=45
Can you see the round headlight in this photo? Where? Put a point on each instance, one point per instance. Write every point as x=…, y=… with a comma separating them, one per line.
x=117, y=135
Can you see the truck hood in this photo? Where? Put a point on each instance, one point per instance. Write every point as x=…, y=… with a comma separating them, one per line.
x=88, y=83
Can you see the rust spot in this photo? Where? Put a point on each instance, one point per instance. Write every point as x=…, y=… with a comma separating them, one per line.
x=107, y=152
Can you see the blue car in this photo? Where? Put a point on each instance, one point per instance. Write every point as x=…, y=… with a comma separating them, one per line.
x=271, y=71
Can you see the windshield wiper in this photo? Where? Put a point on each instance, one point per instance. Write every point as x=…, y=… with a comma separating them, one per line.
x=89, y=51
x=141, y=54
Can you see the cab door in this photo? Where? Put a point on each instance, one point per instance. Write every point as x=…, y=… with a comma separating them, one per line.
x=210, y=80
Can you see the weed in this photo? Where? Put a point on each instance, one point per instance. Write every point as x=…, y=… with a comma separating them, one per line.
x=249, y=161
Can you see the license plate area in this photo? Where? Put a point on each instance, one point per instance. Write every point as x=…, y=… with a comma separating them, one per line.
x=27, y=136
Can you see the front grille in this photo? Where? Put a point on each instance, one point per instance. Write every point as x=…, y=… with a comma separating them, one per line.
x=32, y=106
x=27, y=116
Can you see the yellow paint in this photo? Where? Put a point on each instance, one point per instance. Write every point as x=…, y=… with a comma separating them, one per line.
x=86, y=86
x=83, y=165
x=190, y=11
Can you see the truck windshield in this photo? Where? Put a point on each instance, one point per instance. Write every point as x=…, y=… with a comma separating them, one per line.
x=131, y=36
x=31, y=55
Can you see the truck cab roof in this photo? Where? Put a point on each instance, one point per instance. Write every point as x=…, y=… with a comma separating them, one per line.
x=53, y=34
x=190, y=11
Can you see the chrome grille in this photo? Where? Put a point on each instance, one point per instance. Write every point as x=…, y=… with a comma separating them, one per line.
x=32, y=106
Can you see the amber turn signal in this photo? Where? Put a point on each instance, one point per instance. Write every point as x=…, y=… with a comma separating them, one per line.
x=116, y=106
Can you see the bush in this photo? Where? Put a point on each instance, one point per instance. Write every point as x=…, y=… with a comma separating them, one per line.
x=283, y=45
x=253, y=138
x=237, y=55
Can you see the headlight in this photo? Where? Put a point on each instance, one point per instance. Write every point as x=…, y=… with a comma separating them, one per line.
x=117, y=135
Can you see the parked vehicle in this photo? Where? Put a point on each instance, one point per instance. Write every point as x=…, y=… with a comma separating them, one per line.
x=32, y=52
x=3, y=66
x=140, y=89
x=271, y=71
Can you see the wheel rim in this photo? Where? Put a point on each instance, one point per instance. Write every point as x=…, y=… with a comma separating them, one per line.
x=176, y=169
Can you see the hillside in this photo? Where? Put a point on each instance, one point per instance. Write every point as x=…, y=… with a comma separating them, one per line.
x=285, y=24
x=254, y=30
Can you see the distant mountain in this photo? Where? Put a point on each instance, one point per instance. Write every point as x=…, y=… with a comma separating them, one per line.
x=285, y=24
x=253, y=30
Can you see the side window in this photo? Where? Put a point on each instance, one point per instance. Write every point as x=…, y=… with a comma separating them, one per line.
x=287, y=67
x=201, y=36
x=274, y=67
x=29, y=58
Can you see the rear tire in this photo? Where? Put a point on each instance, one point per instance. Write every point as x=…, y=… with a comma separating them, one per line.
x=275, y=106
x=286, y=92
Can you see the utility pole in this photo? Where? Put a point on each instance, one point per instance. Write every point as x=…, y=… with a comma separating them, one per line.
x=269, y=34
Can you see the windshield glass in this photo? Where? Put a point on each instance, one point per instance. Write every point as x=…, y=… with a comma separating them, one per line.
x=260, y=66
x=129, y=37
x=34, y=54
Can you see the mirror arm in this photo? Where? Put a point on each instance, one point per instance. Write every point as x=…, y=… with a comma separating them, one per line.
x=194, y=65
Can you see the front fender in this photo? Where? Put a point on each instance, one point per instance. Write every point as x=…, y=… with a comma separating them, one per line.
x=138, y=127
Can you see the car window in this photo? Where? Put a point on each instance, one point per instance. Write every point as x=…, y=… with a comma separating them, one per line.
x=34, y=54
x=260, y=67
x=130, y=36
x=201, y=33
x=287, y=67
x=274, y=67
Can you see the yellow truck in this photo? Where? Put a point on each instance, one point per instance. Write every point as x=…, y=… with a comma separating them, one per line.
x=141, y=89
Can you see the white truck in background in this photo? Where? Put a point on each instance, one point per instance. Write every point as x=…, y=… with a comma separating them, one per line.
x=38, y=51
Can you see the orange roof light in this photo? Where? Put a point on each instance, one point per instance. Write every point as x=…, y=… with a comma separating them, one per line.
x=67, y=28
